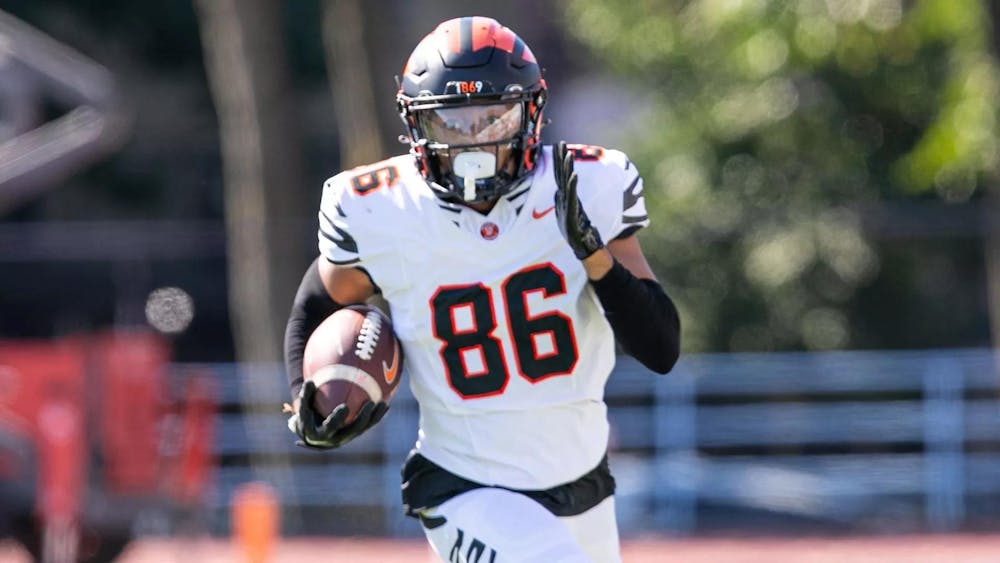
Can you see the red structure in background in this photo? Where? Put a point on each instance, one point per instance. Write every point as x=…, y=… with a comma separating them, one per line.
x=109, y=433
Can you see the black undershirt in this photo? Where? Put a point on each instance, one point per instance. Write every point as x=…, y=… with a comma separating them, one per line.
x=312, y=305
x=643, y=317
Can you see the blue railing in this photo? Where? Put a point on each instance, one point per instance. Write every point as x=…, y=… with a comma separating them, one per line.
x=864, y=441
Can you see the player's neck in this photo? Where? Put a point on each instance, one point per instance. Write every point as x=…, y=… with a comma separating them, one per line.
x=484, y=207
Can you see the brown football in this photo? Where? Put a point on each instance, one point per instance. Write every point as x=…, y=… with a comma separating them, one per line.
x=352, y=357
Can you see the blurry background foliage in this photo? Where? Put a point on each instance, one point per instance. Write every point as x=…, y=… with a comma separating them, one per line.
x=819, y=172
x=773, y=129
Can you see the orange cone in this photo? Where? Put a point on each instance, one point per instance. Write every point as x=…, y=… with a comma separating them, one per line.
x=256, y=520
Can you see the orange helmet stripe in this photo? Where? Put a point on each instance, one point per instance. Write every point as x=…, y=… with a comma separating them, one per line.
x=527, y=55
x=486, y=32
x=483, y=30
x=449, y=35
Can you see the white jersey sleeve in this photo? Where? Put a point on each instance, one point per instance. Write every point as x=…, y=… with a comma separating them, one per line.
x=336, y=242
x=610, y=189
x=354, y=204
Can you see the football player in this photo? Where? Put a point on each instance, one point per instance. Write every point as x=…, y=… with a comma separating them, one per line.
x=509, y=268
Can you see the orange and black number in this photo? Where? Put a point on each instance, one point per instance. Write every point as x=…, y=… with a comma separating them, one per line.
x=586, y=152
x=373, y=179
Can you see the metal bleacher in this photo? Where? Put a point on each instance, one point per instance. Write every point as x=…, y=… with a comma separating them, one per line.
x=850, y=441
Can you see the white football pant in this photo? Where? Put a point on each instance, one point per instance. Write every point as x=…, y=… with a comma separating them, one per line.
x=491, y=525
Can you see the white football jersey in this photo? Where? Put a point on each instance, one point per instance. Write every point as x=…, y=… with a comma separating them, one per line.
x=504, y=340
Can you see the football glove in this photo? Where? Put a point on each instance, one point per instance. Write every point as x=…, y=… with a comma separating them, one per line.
x=574, y=224
x=320, y=433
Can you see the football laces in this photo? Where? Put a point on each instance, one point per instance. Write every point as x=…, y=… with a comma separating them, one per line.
x=368, y=337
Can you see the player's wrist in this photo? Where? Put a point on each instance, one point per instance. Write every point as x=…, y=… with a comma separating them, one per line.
x=598, y=264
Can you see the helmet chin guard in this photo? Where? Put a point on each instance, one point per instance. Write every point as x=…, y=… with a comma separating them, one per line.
x=471, y=97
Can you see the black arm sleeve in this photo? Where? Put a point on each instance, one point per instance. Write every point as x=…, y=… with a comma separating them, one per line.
x=312, y=305
x=643, y=317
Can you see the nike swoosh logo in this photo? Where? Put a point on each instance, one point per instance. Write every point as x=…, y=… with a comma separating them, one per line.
x=389, y=372
x=539, y=214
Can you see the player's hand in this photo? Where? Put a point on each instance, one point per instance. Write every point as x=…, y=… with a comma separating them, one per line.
x=317, y=432
x=574, y=224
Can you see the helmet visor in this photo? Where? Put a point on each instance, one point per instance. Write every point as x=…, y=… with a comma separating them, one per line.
x=471, y=125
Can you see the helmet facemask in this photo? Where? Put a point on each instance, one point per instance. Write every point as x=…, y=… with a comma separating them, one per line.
x=474, y=149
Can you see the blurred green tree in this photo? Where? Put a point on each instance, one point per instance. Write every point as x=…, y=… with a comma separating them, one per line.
x=768, y=124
